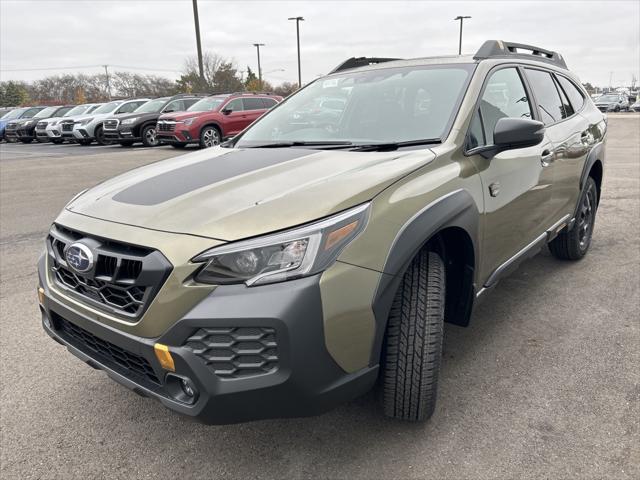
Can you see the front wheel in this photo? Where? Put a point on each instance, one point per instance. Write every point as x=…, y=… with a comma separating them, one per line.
x=573, y=244
x=100, y=138
x=149, y=137
x=209, y=137
x=413, y=344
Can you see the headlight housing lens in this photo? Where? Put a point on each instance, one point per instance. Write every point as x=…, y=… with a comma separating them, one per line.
x=28, y=122
x=85, y=121
x=129, y=121
x=189, y=121
x=296, y=253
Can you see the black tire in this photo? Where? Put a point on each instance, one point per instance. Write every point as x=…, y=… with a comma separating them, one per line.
x=210, y=136
x=179, y=145
x=126, y=143
x=100, y=138
x=573, y=244
x=413, y=343
x=149, y=137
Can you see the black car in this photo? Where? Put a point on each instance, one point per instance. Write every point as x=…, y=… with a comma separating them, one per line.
x=26, y=129
x=140, y=126
x=11, y=126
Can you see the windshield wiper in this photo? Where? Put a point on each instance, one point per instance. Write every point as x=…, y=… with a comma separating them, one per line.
x=329, y=143
x=389, y=146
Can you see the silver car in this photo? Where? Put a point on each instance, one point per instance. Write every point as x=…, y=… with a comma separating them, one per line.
x=87, y=129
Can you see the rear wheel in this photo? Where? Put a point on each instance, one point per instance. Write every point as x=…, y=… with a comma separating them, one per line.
x=413, y=344
x=100, y=138
x=209, y=137
x=573, y=244
x=149, y=137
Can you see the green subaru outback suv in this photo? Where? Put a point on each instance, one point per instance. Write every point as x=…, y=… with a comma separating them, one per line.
x=318, y=253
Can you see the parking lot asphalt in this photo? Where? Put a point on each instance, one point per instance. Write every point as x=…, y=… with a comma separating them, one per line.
x=545, y=383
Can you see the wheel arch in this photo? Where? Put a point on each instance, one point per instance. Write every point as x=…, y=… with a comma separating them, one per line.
x=593, y=167
x=210, y=123
x=449, y=226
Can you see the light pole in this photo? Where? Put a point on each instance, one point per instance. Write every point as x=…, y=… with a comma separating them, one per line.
x=461, y=18
x=298, y=20
x=196, y=20
x=258, y=45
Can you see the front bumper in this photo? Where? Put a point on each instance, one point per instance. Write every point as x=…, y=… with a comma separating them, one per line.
x=177, y=136
x=296, y=377
x=123, y=134
x=25, y=133
x=82, y=133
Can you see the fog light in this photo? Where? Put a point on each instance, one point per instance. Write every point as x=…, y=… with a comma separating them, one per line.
x=187, y=388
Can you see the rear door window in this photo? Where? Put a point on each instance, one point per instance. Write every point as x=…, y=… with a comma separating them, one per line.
x=253, y=104
x=268, y=102
x=575, y=95
x=550, y=105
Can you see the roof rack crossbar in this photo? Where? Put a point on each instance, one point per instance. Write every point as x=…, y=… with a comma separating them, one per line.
x=499, y=48
x=355, y=62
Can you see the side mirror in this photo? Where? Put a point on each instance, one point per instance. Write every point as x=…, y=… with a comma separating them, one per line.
x=511, y=133
x=168, y=110
x=226, y=111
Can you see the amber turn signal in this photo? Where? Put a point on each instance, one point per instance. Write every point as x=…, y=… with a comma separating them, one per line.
x=41, y=295
x=337, y=235
x=164, y=357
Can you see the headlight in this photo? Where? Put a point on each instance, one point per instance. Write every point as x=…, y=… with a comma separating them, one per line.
x=27, y=123
x=189, y=121
x=54, y=123
x=129, y=121
x=85, y=121
x=283, y=256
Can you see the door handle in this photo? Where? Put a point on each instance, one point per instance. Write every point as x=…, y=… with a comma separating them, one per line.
x=547, y=157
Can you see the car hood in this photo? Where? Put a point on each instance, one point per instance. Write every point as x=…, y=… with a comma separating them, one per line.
x=143, y=116
x=230, y=194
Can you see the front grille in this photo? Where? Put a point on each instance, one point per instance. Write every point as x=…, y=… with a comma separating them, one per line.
x=67, y=126
x=41, y=126
x=236, y=352
x=129, y=364
x=111, y=124
x=123, y=280
x=166, y=126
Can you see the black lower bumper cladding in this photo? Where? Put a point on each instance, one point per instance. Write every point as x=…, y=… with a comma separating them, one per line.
x=249, y=354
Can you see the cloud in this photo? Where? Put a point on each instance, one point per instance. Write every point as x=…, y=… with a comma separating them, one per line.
x=159, y=34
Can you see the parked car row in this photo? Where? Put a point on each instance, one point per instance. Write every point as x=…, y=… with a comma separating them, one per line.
x=178, y=120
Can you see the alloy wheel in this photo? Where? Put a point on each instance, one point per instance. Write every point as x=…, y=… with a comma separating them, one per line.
x=586, y=217
x=211, y=137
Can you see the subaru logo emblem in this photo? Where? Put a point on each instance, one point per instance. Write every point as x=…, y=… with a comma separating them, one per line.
x=79, y=257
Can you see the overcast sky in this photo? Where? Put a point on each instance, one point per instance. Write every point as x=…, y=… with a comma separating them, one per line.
x=595, y=37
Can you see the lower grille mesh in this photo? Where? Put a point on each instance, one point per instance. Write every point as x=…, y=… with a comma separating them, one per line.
x=131, y=365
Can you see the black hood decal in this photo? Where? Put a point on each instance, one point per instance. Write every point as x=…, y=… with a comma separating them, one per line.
x=175, y=183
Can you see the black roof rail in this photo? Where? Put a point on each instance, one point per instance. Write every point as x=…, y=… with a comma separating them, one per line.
x=501, y=49
x=181, y=95
x=355, y=62
x=249, y=93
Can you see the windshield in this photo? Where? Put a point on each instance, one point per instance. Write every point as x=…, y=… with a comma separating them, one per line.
x=154, y=106
x=107, y=108
x=206, y=104
x=13, y=114
x=388, y=105
x=46, y=113
x=77, y=110
x=608, y=98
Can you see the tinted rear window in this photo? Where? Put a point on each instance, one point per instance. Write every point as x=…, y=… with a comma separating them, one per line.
x=574, y=94
x=547, y=96
x=253, y=104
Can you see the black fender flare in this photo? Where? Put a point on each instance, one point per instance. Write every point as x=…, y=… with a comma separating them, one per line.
x=456, y=209
x=594, y=155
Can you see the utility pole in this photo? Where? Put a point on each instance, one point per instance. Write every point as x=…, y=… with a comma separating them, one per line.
x=106, y=72
x=610, y=81
x=258, y=45
x=461, y=18
x=298, y=20
x=197, y=22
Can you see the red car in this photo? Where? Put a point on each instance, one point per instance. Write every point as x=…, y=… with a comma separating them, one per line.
x=212, y=119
